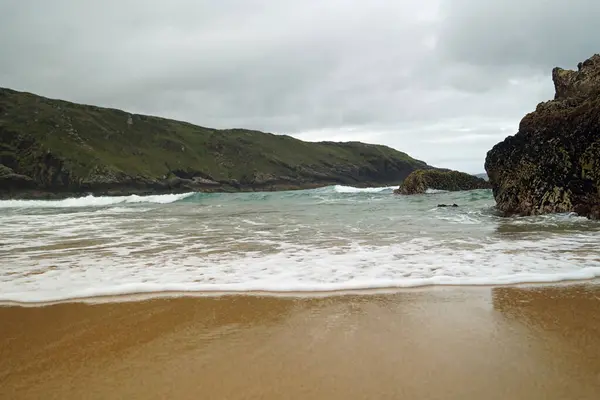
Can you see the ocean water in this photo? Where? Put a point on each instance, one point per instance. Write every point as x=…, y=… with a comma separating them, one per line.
x=333, y=238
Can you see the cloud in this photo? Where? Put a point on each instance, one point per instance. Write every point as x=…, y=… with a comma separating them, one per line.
x=530, y=34
x=409, y=74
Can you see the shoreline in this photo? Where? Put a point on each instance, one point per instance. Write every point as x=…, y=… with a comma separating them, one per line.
x=497, y=343
x=316, y=294
x=223, y=189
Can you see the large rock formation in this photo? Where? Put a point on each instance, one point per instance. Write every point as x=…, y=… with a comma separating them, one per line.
x=53, y=148
x=440, y=179
x=553, y=163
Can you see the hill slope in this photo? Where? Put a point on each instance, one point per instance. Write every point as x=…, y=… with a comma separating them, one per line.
x=57, y=148
x=483, y=176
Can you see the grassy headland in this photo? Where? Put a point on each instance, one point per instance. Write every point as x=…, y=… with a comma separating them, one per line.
x=56, y=148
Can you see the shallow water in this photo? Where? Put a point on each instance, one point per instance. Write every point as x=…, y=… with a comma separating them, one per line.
x=311, y=240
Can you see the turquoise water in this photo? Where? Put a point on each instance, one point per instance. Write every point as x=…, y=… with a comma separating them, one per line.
x=311, y=240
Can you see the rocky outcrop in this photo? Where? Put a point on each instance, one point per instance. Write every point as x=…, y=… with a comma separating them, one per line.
x=440, y=179
x=552, y=164
x=12, y=181
x=54, y=148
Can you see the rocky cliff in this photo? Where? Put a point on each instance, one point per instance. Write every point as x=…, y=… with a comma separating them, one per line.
x=553, y=163
x=53, y=148
x=440, y=179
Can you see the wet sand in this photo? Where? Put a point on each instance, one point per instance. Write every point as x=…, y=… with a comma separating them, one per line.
x=540, y=342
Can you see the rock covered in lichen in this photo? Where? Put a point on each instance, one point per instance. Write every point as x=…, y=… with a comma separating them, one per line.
x=553, y=163
x=438, y=179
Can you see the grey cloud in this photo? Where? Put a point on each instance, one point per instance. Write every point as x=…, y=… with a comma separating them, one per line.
x=249, y=56
x=531, y=33
x=390, y=72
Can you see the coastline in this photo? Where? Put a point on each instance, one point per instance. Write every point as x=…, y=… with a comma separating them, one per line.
x=292, y=294
x=39, y=194
x=517, y=342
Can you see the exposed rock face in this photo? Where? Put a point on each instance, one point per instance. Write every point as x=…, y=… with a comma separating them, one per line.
x=12, y=181
x=439, y=179
x=553, y=163
x=54, y=148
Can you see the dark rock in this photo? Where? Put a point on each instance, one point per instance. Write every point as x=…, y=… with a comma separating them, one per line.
x=446, y=205
x=12, y=182
x=440, y=179
x=553, y=163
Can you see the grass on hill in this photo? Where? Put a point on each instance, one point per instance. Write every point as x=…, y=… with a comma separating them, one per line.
x=92, y=141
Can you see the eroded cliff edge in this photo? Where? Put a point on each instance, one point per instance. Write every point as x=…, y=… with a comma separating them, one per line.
x=54, y=148
x=552, y=164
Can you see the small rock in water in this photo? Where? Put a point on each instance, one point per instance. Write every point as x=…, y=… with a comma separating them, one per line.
x=447, y=205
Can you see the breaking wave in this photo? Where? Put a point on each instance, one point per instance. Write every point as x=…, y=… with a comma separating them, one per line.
x=93, y=201
x=103, y=201
x=319, y=240
x=350, y=189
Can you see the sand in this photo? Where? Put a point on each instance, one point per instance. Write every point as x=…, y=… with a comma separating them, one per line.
x=540, y=342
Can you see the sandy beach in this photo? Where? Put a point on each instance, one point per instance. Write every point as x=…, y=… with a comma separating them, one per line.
x=435, y=343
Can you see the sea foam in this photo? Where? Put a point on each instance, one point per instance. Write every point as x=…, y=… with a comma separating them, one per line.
x=293, y=268
x=281, y=243
x=93, y=201
x=351, y=189
x=435, y=191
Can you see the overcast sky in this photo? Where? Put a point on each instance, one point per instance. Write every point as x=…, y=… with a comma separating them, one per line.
x=443, y=80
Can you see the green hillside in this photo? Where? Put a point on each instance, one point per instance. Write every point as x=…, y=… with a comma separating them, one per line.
x=52, y=147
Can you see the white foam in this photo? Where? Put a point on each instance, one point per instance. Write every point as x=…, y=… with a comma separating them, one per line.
x=92, y=201
x=286, y=267
x=550, y=219
x=282, y=245
x=351, y=189
x=459, y=218
x=275, y=287
x=434, y=191
x=250, y=222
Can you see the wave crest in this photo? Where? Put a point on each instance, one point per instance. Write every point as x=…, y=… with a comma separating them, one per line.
x=351, y=189
x=93, y=201
x=434, y=191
